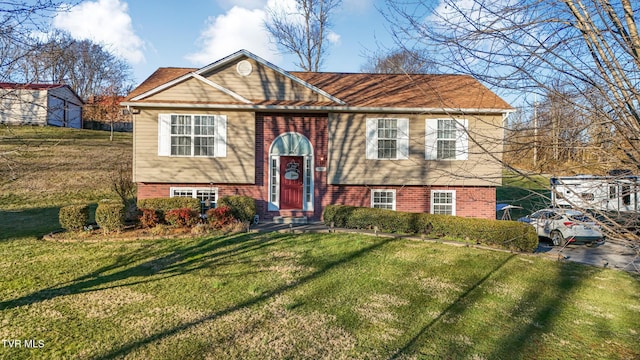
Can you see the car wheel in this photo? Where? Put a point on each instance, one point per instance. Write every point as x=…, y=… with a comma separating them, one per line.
x=556, y=238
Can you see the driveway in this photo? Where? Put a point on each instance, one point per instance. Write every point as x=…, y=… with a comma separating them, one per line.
x=615, y=255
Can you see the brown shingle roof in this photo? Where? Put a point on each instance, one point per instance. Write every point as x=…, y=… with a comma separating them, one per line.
x=373, y=90
x=161, y=76
x=406, y=91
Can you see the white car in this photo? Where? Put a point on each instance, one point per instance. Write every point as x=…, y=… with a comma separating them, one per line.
x=565, y=225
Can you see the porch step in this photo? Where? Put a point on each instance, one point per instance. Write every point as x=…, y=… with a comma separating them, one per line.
x=289, y=219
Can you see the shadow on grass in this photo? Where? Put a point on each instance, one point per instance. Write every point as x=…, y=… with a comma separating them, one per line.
x=145, y=266
x=28, y=223
x=522, y=342
x=263, y=297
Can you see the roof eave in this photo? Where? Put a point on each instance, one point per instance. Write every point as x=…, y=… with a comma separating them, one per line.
x=348, y=109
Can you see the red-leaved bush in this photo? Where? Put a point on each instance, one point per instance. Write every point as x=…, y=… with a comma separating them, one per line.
x=184, y=217
x=220, y=217
x=149, y=218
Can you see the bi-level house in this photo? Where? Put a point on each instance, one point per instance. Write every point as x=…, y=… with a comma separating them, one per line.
x=298, y=141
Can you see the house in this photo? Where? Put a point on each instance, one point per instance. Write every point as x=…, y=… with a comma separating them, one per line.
x=298, y=141
x=40, y=104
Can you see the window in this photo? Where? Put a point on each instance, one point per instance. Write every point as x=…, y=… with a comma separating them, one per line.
x=387, y=139
x=443, y=202
x=446, y=139
x=383, y=199
x=208, y=196
x=192, y=135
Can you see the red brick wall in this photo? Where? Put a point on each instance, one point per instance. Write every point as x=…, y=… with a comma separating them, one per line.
x=470, y=201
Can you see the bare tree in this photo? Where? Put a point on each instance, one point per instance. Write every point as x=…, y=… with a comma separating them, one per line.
x=87, y=67
x=399, y=61
x=521, y=48
x=302, y=31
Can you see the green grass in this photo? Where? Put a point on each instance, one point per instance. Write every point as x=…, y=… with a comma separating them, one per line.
x=266, y=296
x=531, y=193
x=309, y=296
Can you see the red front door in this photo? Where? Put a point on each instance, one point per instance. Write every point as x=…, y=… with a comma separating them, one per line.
x=291, y=182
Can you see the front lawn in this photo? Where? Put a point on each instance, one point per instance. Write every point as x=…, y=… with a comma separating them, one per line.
x=312, y=296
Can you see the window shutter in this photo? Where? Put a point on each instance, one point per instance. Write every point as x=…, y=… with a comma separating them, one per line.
x=164, y=135
x=431, y=139
x=221, y=136
x=462, y=140
x=403, y=139
x=372, y=139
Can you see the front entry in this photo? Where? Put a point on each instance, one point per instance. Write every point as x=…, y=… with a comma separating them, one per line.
x=291, y=182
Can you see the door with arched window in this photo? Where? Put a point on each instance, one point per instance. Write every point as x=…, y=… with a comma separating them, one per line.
x=290, y=173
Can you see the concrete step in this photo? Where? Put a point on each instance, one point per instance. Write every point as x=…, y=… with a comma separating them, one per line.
x=290, y=220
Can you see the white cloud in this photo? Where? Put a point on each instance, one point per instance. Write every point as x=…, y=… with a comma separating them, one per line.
x=239, y=28
x=106, y=22
x=333, y=37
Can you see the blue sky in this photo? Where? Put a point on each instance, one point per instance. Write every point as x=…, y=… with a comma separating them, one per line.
x=193, y=33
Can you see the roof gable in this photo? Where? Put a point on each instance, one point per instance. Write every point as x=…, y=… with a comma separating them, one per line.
x=257, y=82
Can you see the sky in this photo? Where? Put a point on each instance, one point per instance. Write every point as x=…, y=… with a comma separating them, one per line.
x=193, y=33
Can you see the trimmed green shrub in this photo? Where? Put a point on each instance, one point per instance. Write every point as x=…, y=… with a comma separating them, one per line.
x=165, y=204
x=506, y=234
x=74, y=217
x=242, y=207
x=110, y=216
x=184, y=217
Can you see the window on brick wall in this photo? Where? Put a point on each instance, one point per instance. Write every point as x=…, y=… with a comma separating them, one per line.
x=443, y=202
x=208, y=196
x=383, y=199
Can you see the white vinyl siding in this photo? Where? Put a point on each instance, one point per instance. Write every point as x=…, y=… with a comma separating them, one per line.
x=383, y=199
x=192, y=135
x=443, y=202
x=446, y=139
x=387, y=139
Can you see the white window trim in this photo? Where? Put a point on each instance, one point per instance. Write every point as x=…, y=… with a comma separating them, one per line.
x=431, y=139
x=373, y=191
x=402, y=152
x=164, y=135
x=453, y=200
x=194, y=191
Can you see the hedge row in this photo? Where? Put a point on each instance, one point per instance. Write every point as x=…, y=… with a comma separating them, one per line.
x=166, y=204
x=243, y=208
x=506, y=234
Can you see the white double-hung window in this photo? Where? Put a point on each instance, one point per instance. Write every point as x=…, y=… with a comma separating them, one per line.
x=192, y=135
x=446, y=139
x=383, y=199
x=387, y=138
x=443, y=202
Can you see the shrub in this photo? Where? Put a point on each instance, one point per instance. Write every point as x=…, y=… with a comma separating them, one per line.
x=110, y=216
x=506, y=234
x=184, y=217
x=74, y=217
x=165, y=204
x=242, y=207
x=149, y=218
x=220, y=217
